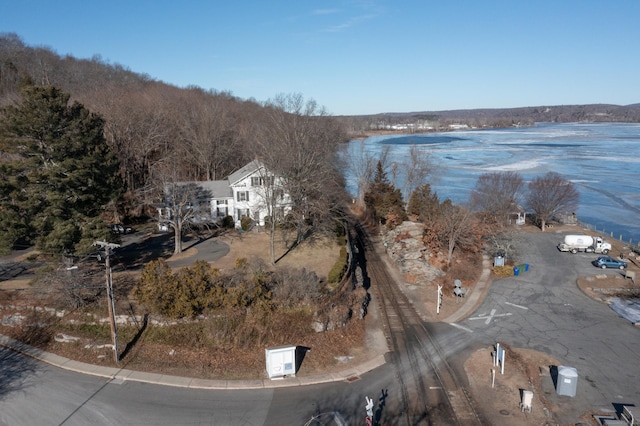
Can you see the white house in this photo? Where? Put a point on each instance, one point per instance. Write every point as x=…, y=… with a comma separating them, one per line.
x=252, y=191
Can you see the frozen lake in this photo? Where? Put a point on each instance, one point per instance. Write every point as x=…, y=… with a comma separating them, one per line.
x=602, y=160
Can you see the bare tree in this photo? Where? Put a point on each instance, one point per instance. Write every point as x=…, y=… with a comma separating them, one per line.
x=497, y=195
x=362, y=165
x=503, y=244
x=458, y=227
x=274, y=200
x=550, y=195
x=185, y=203
x=298, y=141
x=140, y=133
x=207, y=126
x=416, y=170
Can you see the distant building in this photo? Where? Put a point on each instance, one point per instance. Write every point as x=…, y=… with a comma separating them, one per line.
x=566, y=218
x=458, y=126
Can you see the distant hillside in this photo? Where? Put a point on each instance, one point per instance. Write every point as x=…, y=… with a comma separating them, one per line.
x=556, y=113
x=491, y=118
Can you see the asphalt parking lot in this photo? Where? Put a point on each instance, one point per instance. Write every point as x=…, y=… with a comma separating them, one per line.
x=544, y=310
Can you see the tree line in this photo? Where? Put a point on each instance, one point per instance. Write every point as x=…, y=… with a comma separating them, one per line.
x=490, y=213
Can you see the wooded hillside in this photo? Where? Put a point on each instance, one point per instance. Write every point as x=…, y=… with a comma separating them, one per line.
x=160, y=133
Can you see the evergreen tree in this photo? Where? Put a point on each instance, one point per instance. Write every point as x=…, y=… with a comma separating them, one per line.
x=424, y=204
x=57, y=172
x=384, y=199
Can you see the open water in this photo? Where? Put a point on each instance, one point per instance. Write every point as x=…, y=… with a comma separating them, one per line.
x=602, y=160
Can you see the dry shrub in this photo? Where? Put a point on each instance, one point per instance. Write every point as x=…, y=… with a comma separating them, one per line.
x=503, y=271
x=37, y=330
x=69, y=289
x=292, y=287
x=258, y=329
x=466, y=267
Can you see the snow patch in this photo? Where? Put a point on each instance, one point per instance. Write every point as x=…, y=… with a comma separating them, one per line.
x=626, y=308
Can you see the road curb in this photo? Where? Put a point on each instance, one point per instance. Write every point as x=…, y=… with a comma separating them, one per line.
x=185, y=382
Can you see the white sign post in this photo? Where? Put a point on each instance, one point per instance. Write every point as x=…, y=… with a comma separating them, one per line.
x=499, y=358
x=439, y=299
x=369, y=408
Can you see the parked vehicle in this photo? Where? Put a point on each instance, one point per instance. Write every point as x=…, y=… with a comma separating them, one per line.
x=586, y=243
x=605, y=262
x=120, y=229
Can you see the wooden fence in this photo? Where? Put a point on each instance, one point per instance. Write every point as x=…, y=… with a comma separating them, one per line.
x=635, y=246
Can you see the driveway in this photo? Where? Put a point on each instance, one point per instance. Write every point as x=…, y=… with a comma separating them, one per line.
x=142, y=247
x=543, y=309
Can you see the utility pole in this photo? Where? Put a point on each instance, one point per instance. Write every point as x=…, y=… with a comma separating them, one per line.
x=112, y=316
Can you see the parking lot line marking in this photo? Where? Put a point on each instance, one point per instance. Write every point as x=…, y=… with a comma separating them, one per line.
x=489, y=317
x=517, y=306
x=461, y=327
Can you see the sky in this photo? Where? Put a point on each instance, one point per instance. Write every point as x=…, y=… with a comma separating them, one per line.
x=358, y=57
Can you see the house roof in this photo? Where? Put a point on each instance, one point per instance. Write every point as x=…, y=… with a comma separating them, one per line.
x=244, y=171
x=217, y=188
x=222, y=188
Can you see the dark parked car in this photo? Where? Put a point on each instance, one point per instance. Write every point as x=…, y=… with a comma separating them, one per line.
x=605, y=262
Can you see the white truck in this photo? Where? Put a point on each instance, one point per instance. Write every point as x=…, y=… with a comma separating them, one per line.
x=586, y=243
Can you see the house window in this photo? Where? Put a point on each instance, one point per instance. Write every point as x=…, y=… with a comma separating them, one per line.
x=242, y=213
x=261, y=181
x=221, y=202
x=243, y=195
x=222, y=211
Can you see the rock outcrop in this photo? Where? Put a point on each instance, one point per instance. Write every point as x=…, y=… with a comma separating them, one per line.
x=405, y=247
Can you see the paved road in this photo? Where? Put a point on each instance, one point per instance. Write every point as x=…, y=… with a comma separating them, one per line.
x=544, y=310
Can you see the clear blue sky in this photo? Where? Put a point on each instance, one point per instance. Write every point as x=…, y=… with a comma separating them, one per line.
x=358, y=57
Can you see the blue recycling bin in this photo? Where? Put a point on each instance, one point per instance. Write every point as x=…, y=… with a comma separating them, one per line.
x=516, y=270
x=526, y=267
